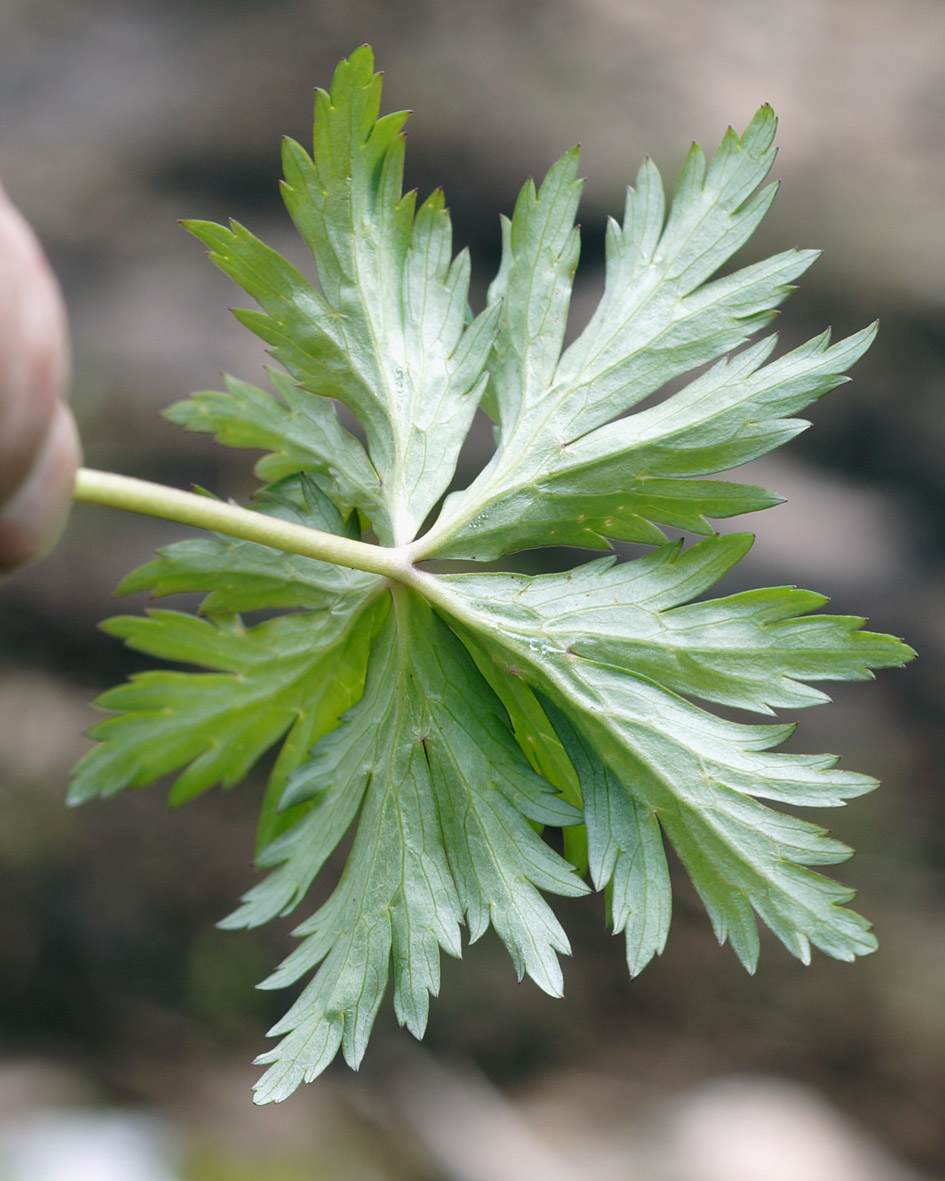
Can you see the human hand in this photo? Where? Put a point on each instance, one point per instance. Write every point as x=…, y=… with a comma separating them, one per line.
x=39, y=444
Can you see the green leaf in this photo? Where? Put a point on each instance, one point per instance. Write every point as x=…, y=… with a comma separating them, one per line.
x=286, y=680
x=534, y=294
x=217, y=725
x=432, y=724
x=387, y=334
x=754, y=650
x=444, y=794
x=300, y=429
x=610, y=646
x=625, y=850
x=626, y=478
x=535, y=735
x=564, y=472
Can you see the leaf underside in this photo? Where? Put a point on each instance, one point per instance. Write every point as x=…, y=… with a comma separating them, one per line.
x=446, y=721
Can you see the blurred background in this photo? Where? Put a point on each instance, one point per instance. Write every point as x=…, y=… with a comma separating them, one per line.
x=127, y=1020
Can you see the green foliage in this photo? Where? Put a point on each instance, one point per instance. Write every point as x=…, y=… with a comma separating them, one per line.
x=447, y=718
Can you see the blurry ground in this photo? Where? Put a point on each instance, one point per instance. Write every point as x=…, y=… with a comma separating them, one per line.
x=116, y=992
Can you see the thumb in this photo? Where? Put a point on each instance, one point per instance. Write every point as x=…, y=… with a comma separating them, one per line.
x=39, y=448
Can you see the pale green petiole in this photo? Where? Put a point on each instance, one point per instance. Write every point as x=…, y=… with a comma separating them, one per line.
x=189, y=508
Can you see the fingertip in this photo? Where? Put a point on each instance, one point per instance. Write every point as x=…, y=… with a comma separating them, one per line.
x=32, y=521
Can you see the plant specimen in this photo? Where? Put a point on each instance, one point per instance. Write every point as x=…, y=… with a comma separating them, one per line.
x=449, y=717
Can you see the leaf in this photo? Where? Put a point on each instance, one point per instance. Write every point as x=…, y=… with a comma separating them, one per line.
x=625, y=851
x=217, y=725
x=754, y=650
x=626, y=478
x=443, y=719
x=534, y=314
x=608, y=645
x=564, y=471
x=288, y=679
x=442, y=834
x=388, y=336
x=301, y=431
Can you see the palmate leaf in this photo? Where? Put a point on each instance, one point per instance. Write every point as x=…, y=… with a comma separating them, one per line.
x=625, y=479
x=446, y=718
x=564, y=471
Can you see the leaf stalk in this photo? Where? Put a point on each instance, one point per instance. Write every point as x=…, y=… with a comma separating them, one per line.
x=204, y=512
